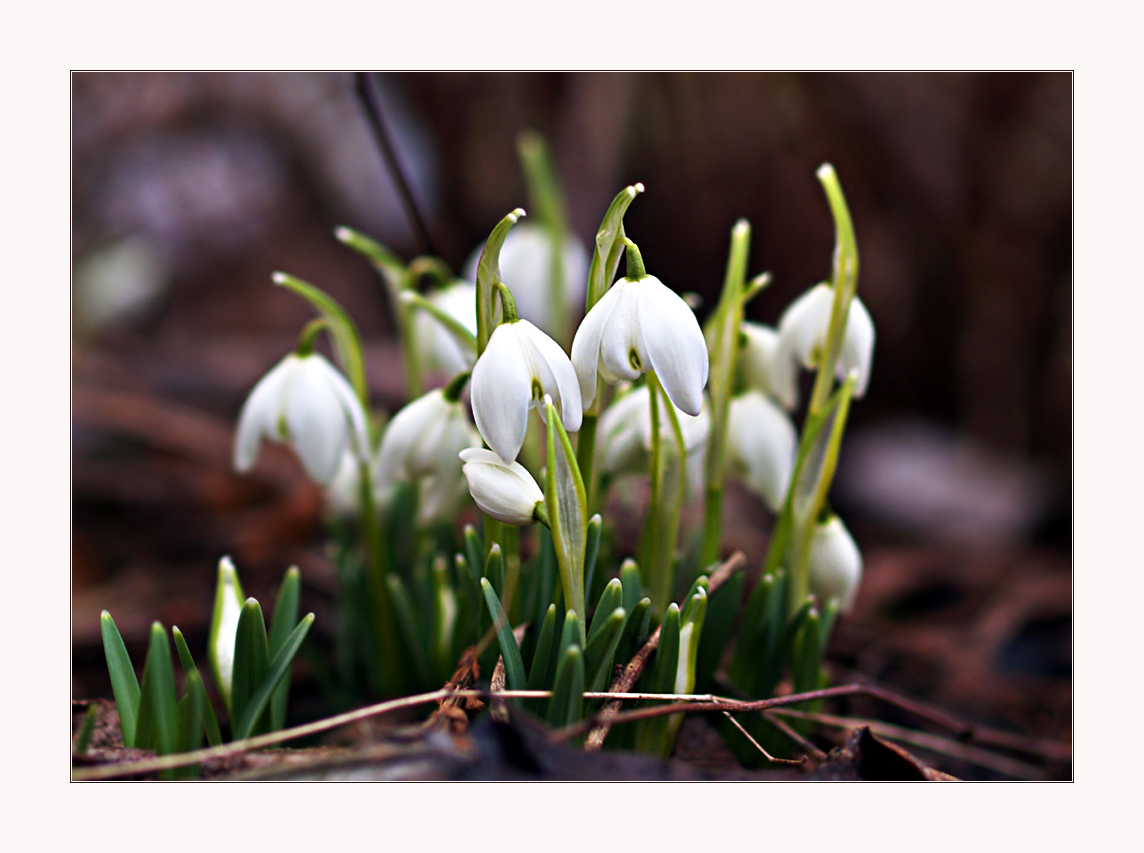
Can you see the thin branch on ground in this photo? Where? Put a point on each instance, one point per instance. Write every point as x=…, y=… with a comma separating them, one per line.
x=810, y=749
x=759, y=746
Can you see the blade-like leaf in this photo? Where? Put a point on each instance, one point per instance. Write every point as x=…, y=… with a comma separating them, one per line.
x=609, y=246
x=124, y=684
x=409, y=626
x=275, y=672
x=286, y=609
x=630, y=578
x=159, y=704
x=591, y=550
x=611, y=598
x=538, y=672
x=510, y=652
x=635, y=630
x=567, y=703
x=488, y=274
x=567, y=506
x=210, y=721
x=494, y=569
x=251, y=658
x=601, y=651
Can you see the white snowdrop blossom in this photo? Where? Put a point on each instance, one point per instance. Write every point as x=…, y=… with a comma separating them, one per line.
x=422, y=443
x=439, y=348
x=222, y=650
x=526, y=266
x=625, y=431
x=835, y=563
x=637, y=326
x=343, y=493
x=761, y=445
x=519, y=366
x=505, y=491
x=305, y=402
x=765, y=366
x=803, y=328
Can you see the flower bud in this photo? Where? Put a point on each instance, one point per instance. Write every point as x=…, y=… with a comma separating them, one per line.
x=504, y=491
x=437, y=347
x=761, y=443
x=803, y=330
x=835, y=563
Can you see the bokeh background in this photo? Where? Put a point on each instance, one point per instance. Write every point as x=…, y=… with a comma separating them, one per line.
x=956, y=476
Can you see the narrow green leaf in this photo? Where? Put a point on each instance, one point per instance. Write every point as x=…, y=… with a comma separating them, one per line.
x=494, y=569
x=635, y=630
x=548, y=574
x=224, y=625
x=273, y=675
x=285, y=615
x=591, y=550
x=601, y=651
x=567, y=506
x=83, y=738
x=611, y=598
x=445, y=613
x=567, y=703
x=210, y=721
x=409, y=627
x=124, y=684
x=510, y=652
x=158, y=692
x=718, y=631
x=251, y=658
x=192, y=713
x=667, y=655
x=806, y=660
x=571, y=633
x=347, y=340
x=488, y=274
x=474, y=548
x=538, y=672
x=630, y=579
x=689, y=636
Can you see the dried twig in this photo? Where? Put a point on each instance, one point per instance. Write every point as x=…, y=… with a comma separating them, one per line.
x=759, y=746
x=810, y=749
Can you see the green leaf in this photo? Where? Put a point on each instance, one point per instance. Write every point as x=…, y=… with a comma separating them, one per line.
x=689, y=636
x=591, y=550
x=409, y=626
x=83, y=738
x=601, y=651
x=251, y=658
x=510, y=652
x=630, y=579
x=192, y=713
x=445, y=612
x=224, y=625
x=286, y=609
x=571, y=633
x=210, y=721
x=275, y=672
x=488, y=274
x=667, y=655
x=722, y=606
x=494, y=569
x=567, y=506
x=635, y=630
x=806, y=660
x=567, y=703
x=609, y=246
x=611, y=598
x=159, y=704
x=538, y=672
x=124, y=684
x=347, y=340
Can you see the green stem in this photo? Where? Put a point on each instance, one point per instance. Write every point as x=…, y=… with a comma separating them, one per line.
x=655, y=573
x=673, y=512
x=384, y=623
x=635, y=266
x=586, y=457
x=410, y=357
x=309, y=336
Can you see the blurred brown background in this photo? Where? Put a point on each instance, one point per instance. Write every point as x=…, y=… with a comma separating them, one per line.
x=190, y=189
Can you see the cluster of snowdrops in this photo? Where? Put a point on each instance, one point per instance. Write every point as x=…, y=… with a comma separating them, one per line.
x=637, y=406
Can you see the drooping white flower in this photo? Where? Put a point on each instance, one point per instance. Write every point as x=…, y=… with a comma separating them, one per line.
x=765, y=366
x=761, y=444
x=224, y=626
x=422, y=442
x=803, y=328
x=519, y=366
x=438, y=348
x=305, y=402
x=624, y=432
x=505, y=491
x=637, y=326
x=526, y=266
x=343, y=493
x=835, y=563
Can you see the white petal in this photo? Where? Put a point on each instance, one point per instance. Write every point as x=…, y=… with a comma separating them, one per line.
x=358, y=433
x=559, y=376
x=835, y=563
x=501, y=390
x=398, y=456
x=675, y=344
x=507, y=492
x=621, y=338
x=260, y=413
x=857, y=346
x=761, y=440
x=316, y=419
x=586, y=345
x=619, y=445
x=767, y=366
x=438, y=347
x=804, y=324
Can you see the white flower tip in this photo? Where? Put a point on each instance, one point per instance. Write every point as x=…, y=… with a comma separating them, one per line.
x=741, y=227
x=613, y=583
x=825, y=171
x=226, y=564
x=635, y=189
x=278, y=277
x=344, y=234
x=495, y=549
x=517, y=214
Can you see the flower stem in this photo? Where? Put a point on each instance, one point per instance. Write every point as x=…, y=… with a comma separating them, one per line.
x=384, y=619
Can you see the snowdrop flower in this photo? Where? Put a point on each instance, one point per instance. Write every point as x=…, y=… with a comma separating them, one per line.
x=422, y=442
x=803, y=328
x=224, y=626
x=637, y=326
x=765, y=366
x=526, y=267
x=505, y=491
x=438, y=347
x=343, y=493
x=625, y=428
x=303, y=401
x=761, y=443
x=835, y=563
x=519, y=366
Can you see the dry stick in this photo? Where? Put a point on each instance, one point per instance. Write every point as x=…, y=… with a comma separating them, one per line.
x=811, y=750
x=635, y=667
x=936, y=743
x=759, y=746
